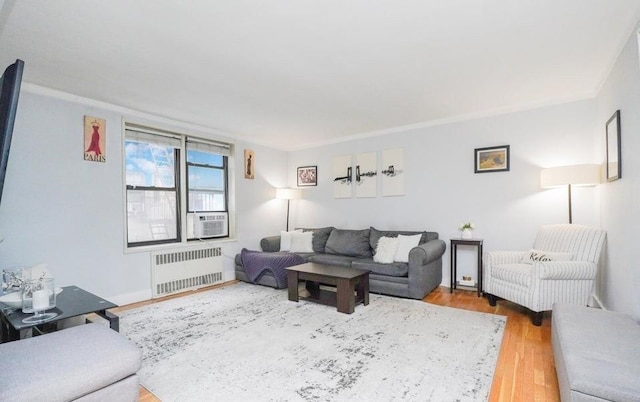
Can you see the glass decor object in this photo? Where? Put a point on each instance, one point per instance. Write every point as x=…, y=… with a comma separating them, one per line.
x=13, y=278
x=38, y=295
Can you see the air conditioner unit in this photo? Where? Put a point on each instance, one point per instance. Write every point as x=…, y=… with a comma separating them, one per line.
x=211, y=224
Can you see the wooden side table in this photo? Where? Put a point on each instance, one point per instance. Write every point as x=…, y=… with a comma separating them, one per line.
x=454, y=261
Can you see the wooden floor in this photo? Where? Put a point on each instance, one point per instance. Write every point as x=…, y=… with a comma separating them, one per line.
x=525, y=369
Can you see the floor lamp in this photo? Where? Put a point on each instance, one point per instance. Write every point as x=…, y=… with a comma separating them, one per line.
x=288, y=194
x=574, y=175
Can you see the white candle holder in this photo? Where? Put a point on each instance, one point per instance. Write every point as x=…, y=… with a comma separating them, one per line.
x=38, y=295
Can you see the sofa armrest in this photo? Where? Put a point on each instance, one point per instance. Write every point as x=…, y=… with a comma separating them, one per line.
x=426, y=252
x=270, y=244
x=492, y=258
x=425, y=268
x=565, y=270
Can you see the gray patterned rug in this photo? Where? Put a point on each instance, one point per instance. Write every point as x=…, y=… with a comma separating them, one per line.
x=246, y=342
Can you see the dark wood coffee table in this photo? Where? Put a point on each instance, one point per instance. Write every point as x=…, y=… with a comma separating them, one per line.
x=352, y=285
x=72, y=302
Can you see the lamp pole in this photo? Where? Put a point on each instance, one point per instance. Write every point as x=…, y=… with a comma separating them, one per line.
x=569, y=191
x=288, y=201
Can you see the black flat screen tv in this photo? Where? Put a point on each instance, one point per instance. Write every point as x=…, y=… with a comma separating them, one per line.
x=10, y=83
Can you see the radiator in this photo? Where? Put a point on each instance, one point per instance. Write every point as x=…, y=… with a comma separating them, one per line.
x=185, y=269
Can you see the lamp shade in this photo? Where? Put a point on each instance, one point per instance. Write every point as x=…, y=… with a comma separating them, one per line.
x=288, y=193
x=576, y=175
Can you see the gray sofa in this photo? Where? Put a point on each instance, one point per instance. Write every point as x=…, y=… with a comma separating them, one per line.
x=87, y=363
x=597, y=354
x=355, y=248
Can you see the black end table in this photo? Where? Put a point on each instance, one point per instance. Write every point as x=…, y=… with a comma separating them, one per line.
x=454, y=261
x=71, y=302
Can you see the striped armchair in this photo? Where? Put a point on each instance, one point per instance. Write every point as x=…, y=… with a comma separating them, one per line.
x=561, y=267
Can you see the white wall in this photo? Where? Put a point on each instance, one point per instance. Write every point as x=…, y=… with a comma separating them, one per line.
x=61, y=210
x=442, y=190
x=619, y=284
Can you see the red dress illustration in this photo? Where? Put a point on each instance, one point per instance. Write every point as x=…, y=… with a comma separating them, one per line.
x=95, y=141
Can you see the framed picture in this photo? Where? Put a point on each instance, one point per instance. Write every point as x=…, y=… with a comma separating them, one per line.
x=95, y=131
x=249, y=164
x=307, y=176
x=614, y=154
x=492, y=159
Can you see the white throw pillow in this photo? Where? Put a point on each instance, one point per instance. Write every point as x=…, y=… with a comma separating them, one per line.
x=386, y=250
x=302, y=242
x=540, y=256
x=405, y=244
x=285, y=239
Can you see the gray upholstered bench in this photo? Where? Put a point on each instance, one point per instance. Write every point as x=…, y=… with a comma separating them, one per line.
x=87, y=362
x=597, y=354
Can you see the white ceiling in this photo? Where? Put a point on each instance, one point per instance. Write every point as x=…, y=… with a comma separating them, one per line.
x=296, y=73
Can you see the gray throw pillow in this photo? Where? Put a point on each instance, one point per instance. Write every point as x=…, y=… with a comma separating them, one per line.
x=320, y=237
x=353, y=243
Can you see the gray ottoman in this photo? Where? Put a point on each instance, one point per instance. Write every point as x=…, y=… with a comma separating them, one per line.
x=87, y=362
x=597, y=354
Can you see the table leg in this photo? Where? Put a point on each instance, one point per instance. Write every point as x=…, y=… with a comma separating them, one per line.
x=363, y=289
x=480, y=269
x=454, y=267
x=292, y=280
x=8, y=332
x=345, y=289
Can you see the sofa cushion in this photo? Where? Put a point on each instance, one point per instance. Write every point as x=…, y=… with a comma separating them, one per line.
x=332, y=259
x=320, y=237
x=353, y=243
x=376, y=234
x=393, y=269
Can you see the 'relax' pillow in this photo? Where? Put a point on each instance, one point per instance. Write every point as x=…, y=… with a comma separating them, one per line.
x=540, y=256
x=386, y=250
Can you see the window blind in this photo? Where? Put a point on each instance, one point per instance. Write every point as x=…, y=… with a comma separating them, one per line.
x=209, y=146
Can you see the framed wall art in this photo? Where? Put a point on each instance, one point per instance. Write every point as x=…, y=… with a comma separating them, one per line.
x=614, y=152
x=249, y=164
x=95, y=132
x=492, y=159
x=392, y=172
x=307, y=176
x=342, y=176
x=366, y=183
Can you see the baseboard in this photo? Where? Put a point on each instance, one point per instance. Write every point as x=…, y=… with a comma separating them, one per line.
x=129, y=298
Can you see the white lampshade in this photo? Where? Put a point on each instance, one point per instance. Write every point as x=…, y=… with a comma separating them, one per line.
x=576, y=175
x=288, y=193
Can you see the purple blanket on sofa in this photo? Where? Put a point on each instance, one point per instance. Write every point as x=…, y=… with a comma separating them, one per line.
x=256, y=263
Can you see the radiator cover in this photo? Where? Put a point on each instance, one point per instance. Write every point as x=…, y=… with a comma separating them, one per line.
x=185, y=269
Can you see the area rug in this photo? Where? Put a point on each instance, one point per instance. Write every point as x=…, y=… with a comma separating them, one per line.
x=247, y=342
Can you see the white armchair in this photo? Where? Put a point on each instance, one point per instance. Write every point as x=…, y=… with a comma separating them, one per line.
x=561, y=267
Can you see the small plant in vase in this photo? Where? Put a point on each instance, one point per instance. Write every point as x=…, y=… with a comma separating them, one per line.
x=467, y=230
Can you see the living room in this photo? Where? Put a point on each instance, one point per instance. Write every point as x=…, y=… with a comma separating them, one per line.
x=69, y=213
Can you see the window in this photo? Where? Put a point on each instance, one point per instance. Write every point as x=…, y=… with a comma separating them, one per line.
x=154, y=189
x=206, y=178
